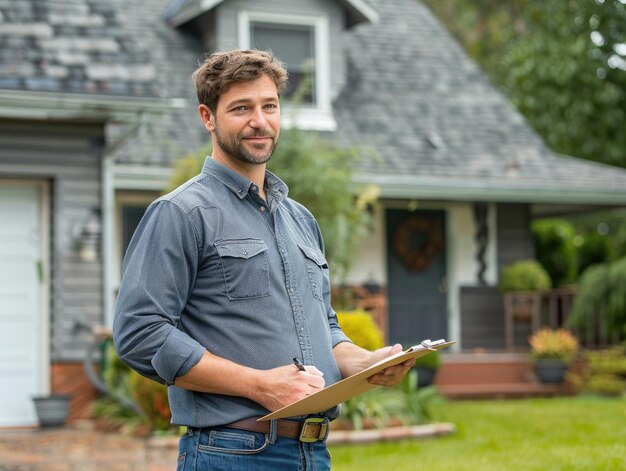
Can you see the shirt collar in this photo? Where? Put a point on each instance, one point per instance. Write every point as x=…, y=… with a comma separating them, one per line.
x=239, y=184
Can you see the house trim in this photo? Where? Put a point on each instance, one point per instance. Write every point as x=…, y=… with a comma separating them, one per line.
x=183, y=11
x=20, y=104
x=320, y=116
x=454, y=188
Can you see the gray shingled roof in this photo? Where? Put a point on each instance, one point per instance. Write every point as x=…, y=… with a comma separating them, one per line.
x=72, y=47
x=433, y=126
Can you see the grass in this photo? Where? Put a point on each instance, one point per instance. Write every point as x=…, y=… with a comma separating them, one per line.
x=573, y=433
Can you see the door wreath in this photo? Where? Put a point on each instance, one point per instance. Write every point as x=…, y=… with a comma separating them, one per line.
x=417, y=256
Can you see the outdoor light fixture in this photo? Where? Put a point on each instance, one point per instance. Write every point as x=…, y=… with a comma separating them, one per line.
x=89, y=239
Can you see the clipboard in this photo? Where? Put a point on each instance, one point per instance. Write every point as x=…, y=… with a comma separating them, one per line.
x=353, y=385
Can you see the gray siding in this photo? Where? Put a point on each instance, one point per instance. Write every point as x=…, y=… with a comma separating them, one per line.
x=482, y=318
x=513, y=233
x=68, y=155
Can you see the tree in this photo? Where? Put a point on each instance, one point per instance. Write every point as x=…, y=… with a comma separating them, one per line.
x=319, y=176
x=562, y=63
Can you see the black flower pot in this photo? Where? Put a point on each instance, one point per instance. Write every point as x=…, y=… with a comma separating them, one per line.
x=53, y=410
x=550, y=371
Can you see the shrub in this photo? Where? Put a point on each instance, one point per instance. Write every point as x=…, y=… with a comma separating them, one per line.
x=602, y=294
x=595, y=248
x=555, y=250
x=432, y=360
x=152, y=398
x=360, y=327
x=553, y=344
x=524, y=275
x=604, y=371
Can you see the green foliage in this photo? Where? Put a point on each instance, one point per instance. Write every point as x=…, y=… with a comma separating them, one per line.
x=360, y=327
x=524, y=275
x=380, y=407
x=594, y=248
x=152, y=398
x=602, y=295
x=555, y=250
x=150, y=395
x=319, y=176
x=604, y=372
x=558, y=61
x=431, y=360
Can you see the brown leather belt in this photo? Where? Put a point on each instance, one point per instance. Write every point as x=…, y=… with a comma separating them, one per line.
x=311, y=430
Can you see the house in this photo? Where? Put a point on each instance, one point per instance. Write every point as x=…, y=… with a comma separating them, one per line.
x=96, y=104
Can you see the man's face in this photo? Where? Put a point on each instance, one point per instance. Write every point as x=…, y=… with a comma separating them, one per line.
x=246, y=124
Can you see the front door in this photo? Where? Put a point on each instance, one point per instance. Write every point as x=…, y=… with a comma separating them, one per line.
x=23, y=341
x=416, y=275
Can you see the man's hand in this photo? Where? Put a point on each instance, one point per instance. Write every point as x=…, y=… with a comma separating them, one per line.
x=279, y=387
x=394, y=374
x=352, y=359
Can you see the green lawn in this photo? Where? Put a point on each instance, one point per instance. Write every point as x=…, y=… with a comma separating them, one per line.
x=578, y=433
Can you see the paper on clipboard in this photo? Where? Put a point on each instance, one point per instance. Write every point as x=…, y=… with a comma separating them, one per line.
x=354, y=385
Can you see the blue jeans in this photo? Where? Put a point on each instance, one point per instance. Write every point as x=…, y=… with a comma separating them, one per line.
x=227, y=449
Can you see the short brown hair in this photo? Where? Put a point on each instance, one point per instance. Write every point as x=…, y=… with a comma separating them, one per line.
x=221, y=69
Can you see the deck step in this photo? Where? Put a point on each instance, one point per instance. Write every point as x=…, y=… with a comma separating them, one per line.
x=500, y=390
x=491, y=375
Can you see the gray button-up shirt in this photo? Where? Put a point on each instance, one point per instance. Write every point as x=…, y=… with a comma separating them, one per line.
x=213, y=266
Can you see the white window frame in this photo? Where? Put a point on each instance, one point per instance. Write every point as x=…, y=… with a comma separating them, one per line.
x=319, y=116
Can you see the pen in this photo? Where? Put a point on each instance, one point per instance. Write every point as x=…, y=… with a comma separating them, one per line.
x=299, y=365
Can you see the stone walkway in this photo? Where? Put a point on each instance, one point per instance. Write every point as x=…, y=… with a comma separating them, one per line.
x=81, y=448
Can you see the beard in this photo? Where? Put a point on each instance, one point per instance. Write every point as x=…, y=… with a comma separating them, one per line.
x=233, y=145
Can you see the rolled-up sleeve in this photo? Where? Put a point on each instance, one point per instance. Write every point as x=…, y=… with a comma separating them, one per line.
x=159, y=270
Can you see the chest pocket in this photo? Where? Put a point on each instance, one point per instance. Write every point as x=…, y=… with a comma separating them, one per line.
x=245, y=268
x=315, y=265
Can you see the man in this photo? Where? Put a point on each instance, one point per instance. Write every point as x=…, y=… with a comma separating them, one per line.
x=225, y=283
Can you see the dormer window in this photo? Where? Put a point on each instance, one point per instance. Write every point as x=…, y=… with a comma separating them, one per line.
x=302, y=44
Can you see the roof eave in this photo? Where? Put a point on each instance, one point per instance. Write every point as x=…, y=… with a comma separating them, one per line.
x=21, y=104
x=186, y=10
x=456, y=189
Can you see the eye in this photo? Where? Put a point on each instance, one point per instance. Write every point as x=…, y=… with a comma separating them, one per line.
x=239, y=108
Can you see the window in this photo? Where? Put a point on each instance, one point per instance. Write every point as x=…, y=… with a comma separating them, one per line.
x=301, y=42
x=294, y=44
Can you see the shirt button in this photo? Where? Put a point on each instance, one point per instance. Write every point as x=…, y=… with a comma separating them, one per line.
x=301, y=329
x=254, y=188
x=291, y=290
x=282, y=250
x=262, y=208
x=244, y=252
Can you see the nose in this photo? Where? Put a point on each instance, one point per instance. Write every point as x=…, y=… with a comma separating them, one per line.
x=258, y=119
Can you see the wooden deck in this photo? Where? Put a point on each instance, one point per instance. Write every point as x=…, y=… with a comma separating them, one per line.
x=476, y=375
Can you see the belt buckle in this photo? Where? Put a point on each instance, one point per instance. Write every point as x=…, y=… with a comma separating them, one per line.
x=311, y=422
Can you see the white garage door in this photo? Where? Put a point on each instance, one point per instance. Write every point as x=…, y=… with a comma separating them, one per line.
x=23, y=343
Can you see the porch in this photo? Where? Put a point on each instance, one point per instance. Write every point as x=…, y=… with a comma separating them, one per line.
x=492, y=374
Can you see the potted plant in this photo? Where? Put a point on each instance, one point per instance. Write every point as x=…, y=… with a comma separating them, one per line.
x=552, y=350
x=523, y=283
x=426, y=368
x=52, y=410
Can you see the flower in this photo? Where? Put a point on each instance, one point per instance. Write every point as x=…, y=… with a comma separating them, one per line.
x=556, y=344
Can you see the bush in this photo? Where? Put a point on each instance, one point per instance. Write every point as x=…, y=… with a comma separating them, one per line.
x=555, y=250
x=602, y=295
x=595, y=248
x=148, y=394
x=360, y=327
x=604, y=372
x=524, y=275
x=431, y=360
